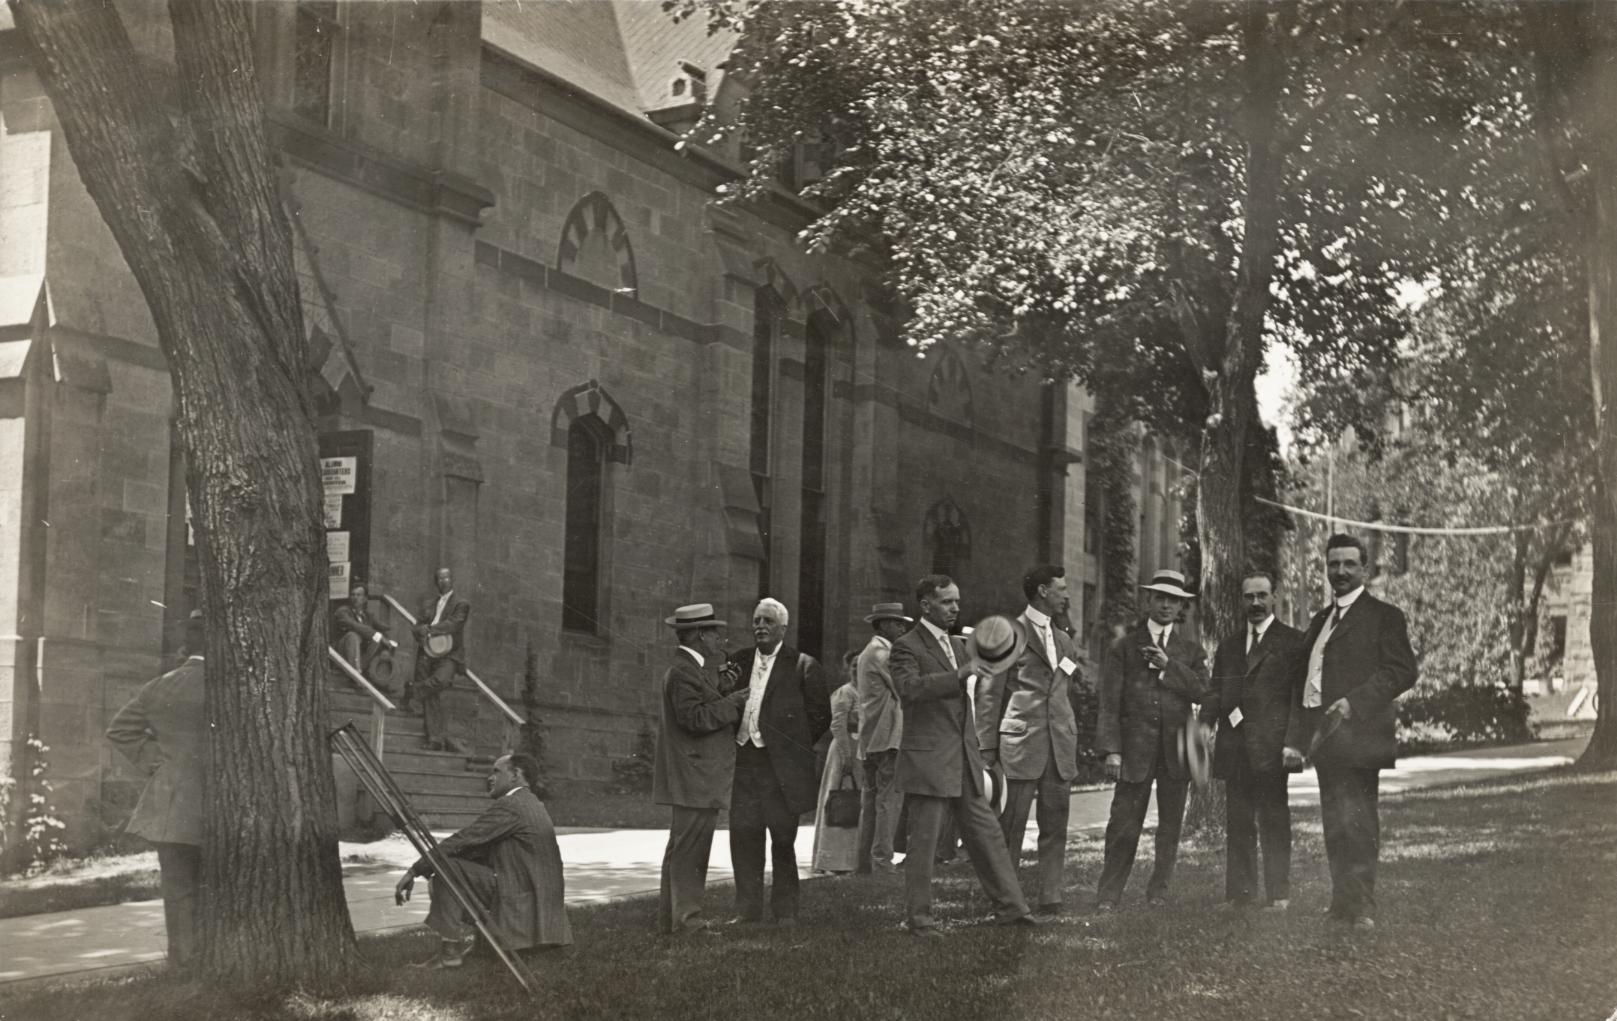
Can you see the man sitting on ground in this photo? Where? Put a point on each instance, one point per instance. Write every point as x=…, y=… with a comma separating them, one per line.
x=509, y=860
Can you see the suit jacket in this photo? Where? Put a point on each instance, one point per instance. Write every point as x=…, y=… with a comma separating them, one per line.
x=940, y=738
x=163, y=731
x=1369, y=662
x=1026, y=712
x=881, y=715
x=516, y=839
x=347, y=620
x=1265, y=687
x=452, y=623
x=795, y=712
x=696, y=747
x=1142, y=710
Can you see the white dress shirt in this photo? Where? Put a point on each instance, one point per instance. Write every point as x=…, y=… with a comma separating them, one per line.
x=1254, y=634
x=762, y=663
x=695, y=655
x=943, y=639
x=1160, y=633
x=1313, y=689
x=443, y=601
x=1041, y=624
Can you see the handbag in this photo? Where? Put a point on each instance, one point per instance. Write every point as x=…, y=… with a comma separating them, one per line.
x=842, y=804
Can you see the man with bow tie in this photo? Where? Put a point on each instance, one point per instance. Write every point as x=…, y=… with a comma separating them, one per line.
x=1256, y=706
x=1148, y=680
x=1356, y=661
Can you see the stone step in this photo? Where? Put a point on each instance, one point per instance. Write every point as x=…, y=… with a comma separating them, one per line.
x=469, y=785
x=409, y=756
x=393, y=724
x=452, y=803
x=448, y=820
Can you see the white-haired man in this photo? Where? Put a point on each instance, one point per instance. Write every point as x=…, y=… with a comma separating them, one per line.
x=787, y=710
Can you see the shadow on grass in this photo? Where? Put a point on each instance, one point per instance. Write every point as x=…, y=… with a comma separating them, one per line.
x=1495, y=902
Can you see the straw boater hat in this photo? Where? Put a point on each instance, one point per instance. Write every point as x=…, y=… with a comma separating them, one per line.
x=696, y=615
x=995, y=643
x=888, y=611
x=1170, y=582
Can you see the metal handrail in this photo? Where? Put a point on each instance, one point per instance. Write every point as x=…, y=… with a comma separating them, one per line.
x=487, y=691
x=381, y=705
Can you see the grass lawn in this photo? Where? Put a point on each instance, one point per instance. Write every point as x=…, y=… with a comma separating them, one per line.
x=1497, y=901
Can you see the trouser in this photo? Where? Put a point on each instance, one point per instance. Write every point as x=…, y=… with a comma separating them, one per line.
x=684, y=873
x=985, y=844
x=879, y=806
x=446, y=917
x=432, y=677
x=180, y=878
x=360, y=654
x=1054, y=798
x=1349, y=807
x=1129, y=803
x=758, y=808
x=1256, y=812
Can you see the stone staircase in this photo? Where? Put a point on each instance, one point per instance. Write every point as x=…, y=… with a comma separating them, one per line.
x=446, y=789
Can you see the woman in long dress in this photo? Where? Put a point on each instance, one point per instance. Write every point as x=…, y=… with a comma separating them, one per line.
x=837, y=847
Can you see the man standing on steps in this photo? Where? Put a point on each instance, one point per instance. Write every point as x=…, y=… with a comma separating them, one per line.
x=696, y=754
x=440, y=655
x=1358, y=662
x=1033, y=735
x=164, y=732
x=786, y=711
x=1149, y=678
x=1256, y=706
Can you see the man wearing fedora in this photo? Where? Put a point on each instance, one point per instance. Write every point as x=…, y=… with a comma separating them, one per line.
x=1356, y=661
x=1256, y=706
x=1149, y=678
x=940, y=769
x=786, y=710
x=695, y=760
x=1032, y=733
x=881, y=725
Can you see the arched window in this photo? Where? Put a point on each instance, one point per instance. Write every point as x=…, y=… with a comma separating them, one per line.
x=595, y=246
x=587, y=443
x=948, y=536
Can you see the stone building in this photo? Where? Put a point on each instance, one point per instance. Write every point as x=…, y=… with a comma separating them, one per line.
x=546, y=359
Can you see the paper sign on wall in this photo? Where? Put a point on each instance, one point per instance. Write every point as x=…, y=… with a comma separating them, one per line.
x=337, y=547
x=338, y=475
x=337, y=578
x=333, y=511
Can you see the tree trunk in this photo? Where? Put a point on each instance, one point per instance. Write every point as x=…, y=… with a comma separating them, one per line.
x=1516, y=610
x=1601, y=752
x=190, y=196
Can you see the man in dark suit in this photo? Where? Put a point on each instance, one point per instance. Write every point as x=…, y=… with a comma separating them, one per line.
x=1256, y=706
x=440, y=635
x=696, y=755
x=786, y=710
x=1032, y=733
x=509, y=860
x=1356, y=660
x=881, y=725
x=1148, y=680
x=940, y=768
x=164, y=732
x=361, y=638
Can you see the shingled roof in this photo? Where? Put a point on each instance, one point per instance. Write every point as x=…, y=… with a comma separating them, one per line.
x=626, y=52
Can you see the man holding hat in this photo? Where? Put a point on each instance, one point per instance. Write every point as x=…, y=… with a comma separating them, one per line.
x=1149, y=678
x=881, y=725
x=940, y=769
x=696, y=755
x=1032, y=732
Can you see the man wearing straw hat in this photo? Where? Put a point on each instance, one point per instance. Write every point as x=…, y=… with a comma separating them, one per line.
x=695, y=765
x=1149, y=678
x=940, y=769
x=881, y=725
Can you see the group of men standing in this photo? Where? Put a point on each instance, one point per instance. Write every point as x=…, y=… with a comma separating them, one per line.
x=980, y=732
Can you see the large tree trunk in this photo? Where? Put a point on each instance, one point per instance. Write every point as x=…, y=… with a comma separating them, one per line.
x=190, y=196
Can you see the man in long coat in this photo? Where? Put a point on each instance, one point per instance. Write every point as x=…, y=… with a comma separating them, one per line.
x=696, y=754
x=1148, y=680
x=509, y=860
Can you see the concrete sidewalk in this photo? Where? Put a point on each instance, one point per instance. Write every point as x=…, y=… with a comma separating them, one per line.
x=600, y=865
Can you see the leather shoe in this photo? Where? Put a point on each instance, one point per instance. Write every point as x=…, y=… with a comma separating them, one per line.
x=432, y=746
x=1364, y=923
x=451, y=954
x=1022, y=920
x=1051, y=909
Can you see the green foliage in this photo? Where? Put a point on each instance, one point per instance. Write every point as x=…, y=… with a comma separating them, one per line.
x=1462, y=714
x=1113, y=447
x=633, y=774
x=41, y=829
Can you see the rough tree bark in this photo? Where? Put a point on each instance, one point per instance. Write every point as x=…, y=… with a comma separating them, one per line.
x=1575, y=49
x=189, y=192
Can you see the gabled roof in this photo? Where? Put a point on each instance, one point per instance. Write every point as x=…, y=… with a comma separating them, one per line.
x=626, y=52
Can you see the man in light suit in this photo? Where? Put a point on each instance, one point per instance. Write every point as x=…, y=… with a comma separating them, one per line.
x=1030, y=731
x=786, y=711
x=164, y=732
x=1356, y=661
x=940, y=769
x=881, y=725
x=696, y=755
x=1149, y=678
x=1256, y=706
x=442, y=616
